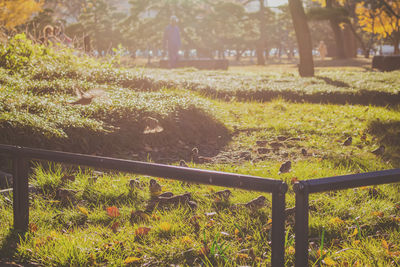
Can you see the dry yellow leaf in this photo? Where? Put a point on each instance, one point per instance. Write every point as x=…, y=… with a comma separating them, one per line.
x=328, y=261
x=336, y=221
x=83, y=210
x=291, y=250
x=130, y=260
x=355, y=232
x=165, y=226
x=385, y=244
x=242, y=256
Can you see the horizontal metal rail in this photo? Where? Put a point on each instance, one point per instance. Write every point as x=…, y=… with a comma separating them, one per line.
x=304, y=188
x=22, y=155
x=350, y=181
x=153, y=169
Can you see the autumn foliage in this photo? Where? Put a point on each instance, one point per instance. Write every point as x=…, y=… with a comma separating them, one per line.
x=17, y=12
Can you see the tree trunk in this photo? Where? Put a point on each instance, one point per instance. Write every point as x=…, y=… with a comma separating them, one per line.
x=360, y=41
x=350, y=42
x=267, y=50
x=337, y=33
x=261, y=42
x=260, y=53
x=238, y=55
x=396, y=44
x=303, y=36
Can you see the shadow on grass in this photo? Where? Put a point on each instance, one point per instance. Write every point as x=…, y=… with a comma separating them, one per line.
x=333, y=82
x=388, y=134
x=184, y=129
x=9, y=245
x=356, y=97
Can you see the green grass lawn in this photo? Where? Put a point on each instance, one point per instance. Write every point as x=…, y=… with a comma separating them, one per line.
x=95, y=225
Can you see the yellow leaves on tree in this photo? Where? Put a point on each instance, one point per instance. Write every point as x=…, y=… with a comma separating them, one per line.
x=17, y=12
x=323, y=2
x=378, y=20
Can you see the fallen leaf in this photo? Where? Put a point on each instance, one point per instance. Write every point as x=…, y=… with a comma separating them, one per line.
x=393, y=253
x=83, y=210
x=113, y=212
x=237, y=231
x=142, y=231
x=32, y=227
x=323, y=253
x=355, y=232
x=210, y=223
x=291, y=250
x=130, y=260
x=336, y=221
x=385, y=244
x=242, y=256
x=328, y=261
x=165, y=226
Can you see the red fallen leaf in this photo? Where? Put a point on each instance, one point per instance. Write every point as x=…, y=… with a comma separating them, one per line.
x=32, y=227
x=114, y=226
x=142, y=231
x=113, y=212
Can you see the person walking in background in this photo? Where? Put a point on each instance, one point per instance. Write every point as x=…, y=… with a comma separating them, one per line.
x=48, y=36
x=172, y=41
x=322, y=50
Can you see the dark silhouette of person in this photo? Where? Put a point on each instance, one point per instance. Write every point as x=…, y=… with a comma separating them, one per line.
x=172, y=41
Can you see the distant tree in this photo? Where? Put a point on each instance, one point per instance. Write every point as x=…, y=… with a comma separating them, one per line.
x=382, y=19
x=306, y=66
x=34, y=27
x=333, y=11
x=17, y=12
x=344, y=24
x=99, y=20
x=63, y=10
x=285, y=36
x=205, y=26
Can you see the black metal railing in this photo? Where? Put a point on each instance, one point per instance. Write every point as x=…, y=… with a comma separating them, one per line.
x=304, y=188
x=21, y=156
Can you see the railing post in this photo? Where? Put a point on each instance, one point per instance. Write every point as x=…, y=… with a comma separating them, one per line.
x=301, y=225
x=278, y=226
x=20, y=193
